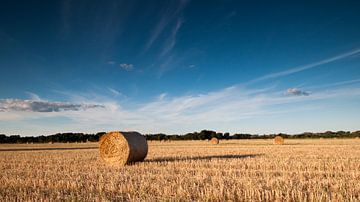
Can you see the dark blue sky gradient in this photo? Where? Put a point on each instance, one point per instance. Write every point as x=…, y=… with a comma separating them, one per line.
x=177, y=48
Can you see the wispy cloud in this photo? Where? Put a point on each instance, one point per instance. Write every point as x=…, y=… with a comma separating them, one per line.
x=168, y=15
x=170, y=62
x=127, y=67
x=306, y=67
x=337, y=84
x=166, y=113
x=105, y=22
x=171, y=41
x=111, y=62
x=65, y=17
x=162, y=96
x=7, y=105
x=297, y=92
x=231, y=15
x=114, y=92
x=34, y=96
x=229, y=105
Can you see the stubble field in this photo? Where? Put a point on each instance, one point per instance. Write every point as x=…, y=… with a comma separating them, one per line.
x=234, y=170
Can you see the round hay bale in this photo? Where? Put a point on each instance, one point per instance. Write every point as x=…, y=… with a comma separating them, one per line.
x=278, y=140
x=214, y=140
x=121, y=148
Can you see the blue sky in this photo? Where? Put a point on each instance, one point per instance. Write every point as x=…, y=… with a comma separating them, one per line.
x=179, y=66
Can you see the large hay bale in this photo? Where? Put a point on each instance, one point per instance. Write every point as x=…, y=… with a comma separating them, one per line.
x=121, y=148
x=278, y=140
x=214, y=140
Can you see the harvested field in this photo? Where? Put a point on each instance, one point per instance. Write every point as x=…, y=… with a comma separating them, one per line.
x=255, y=170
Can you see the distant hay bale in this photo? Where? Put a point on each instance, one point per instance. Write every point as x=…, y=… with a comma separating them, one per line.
x=214, y=140
x=121, y=148
x=278, y=140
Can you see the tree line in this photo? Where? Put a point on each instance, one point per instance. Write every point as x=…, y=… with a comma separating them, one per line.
x=59, y=137
x=208, y=134
x=202, y=135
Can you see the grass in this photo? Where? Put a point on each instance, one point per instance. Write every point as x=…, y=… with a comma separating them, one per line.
x=237, y=170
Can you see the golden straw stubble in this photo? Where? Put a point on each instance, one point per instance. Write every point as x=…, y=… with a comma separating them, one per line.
x=121, y=148
x=278, y=140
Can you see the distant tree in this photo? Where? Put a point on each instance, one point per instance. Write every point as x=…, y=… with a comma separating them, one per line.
x=226, y=136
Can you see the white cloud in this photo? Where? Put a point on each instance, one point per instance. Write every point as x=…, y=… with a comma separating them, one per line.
x=41, y=106
x=127, y=67
x=297, y=92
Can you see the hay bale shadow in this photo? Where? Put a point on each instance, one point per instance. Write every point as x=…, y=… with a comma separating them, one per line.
x=173, y=159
